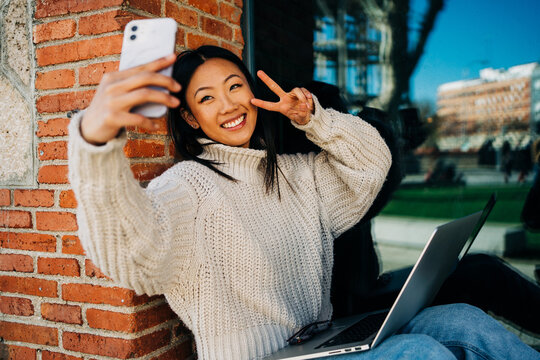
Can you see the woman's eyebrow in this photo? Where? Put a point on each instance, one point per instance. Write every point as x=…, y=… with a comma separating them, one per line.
x=201, y=89
x=230, y=76
x=209, y=87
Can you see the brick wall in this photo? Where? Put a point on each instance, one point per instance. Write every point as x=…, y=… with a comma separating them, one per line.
x=54, y=303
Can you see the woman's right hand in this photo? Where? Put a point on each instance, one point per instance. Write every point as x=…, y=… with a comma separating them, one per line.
x=119, y=92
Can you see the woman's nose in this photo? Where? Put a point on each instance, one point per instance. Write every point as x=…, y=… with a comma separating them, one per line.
x=228, y=104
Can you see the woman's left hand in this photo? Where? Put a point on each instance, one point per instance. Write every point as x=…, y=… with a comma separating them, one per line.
x=297, y=104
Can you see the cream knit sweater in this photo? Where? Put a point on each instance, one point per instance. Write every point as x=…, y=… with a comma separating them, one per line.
x=241, y=268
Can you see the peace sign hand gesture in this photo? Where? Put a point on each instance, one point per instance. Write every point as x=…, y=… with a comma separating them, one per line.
x=297, y=104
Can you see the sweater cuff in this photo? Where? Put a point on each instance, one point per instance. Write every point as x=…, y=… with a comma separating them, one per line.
x=76, y=136
x=320, y=123
x=101, y=164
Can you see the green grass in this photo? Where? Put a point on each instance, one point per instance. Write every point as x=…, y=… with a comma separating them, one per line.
x=455, y=202
x=533, y=241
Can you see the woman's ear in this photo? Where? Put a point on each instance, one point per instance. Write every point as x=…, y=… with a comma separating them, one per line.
x=190, y=119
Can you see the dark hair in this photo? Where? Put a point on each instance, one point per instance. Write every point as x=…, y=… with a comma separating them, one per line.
x=185, y=138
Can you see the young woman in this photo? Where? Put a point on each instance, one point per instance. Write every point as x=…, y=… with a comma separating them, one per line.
x=239, y=240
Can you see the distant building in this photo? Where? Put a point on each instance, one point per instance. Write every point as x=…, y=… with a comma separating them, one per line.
x=535, y=101
x=500, y=105
x=345, y=52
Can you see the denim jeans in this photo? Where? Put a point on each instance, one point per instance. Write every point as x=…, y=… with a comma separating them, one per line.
x=456, y=331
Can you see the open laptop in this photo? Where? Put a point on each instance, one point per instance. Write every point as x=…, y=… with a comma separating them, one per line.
x=447, y=245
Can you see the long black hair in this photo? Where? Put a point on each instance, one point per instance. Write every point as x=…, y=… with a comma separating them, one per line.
x=185, y=138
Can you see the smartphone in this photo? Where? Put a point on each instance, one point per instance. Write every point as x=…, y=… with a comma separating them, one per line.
x=145, y=41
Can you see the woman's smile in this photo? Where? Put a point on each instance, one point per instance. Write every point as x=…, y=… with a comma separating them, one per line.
x=236, y=123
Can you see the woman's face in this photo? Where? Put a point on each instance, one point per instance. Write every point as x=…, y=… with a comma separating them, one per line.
x=219, y=98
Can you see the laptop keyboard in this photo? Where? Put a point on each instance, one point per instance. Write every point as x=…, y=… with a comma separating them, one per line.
x=360, y=331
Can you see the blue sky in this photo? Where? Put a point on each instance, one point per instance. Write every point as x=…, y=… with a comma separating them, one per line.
x=470, y=35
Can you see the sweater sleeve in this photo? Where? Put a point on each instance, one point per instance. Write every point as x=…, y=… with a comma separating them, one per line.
x=134, y=235
x=352, y=167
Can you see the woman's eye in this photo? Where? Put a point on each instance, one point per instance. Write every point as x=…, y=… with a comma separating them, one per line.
x=205, y=98
x=235, y=86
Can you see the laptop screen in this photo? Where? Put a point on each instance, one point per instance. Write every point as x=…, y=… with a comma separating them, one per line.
x=481, y=221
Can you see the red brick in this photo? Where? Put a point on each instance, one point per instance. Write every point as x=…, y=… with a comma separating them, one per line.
x=216, y=28
x=180, y=37
x=161, y=129
x=234, y=49
x=133, y=322
x=72, y=245
x=55, y=150
x=67, y=199
x=196, y=40
x=15, y=219
x=103, y=23
x=53, y=127
x=172, y=150
x=91, y=270
x=144, y=148
x=115, y=347
x=151, y=6
x=239, y=3
x=56, y=79
x=180, y=351
x=230, y=13
x=95, y=294
x=92, y=74
x=48, y=355
x=33, y=198
x=110, y=320
x=16, y=262
x=54, y=30
x=5, y=197
x=16, y=306
x=20, y=353
x=56, y=221
x=53, y=174
x=238, y=36
x=208, y=6
x=46, y=8
x=28, y=286
x=148, y=171
x=70, y=314
x=64, y=101
x=182, y=14
x=27, y=241
x=79, y=50
x=28, y=333
x=58, y=266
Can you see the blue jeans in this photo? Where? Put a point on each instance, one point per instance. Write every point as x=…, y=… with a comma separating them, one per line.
x=456, y=331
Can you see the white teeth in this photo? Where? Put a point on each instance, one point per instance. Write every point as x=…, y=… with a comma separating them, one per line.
x=235, y=122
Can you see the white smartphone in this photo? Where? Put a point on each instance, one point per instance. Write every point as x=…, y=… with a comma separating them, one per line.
x=145, y=41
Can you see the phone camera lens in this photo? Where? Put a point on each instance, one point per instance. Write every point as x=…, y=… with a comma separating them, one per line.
x=134, y=28
x=133, y=37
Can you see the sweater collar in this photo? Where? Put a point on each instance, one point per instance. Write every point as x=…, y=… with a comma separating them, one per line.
x=240, y=163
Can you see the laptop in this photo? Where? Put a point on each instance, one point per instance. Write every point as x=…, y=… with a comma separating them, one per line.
x=447, y=245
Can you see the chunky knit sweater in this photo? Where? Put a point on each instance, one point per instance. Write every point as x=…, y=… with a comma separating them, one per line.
x=243, y=269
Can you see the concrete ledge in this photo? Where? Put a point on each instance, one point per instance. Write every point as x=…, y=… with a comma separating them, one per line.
x=500, y=239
